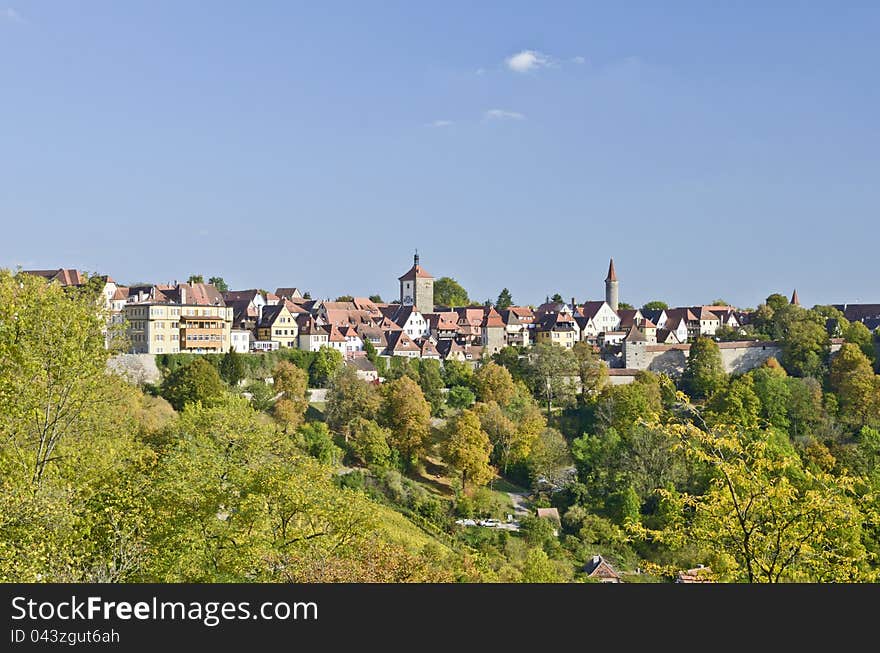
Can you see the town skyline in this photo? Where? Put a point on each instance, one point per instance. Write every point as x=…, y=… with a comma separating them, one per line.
x=589, y=290
x=516, y=145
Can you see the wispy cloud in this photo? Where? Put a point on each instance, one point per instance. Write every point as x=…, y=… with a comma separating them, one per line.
x=502, y=114
x=440, y=123
x=480, y=71
x=527, y=60
x=10, y=14
x=578, y=60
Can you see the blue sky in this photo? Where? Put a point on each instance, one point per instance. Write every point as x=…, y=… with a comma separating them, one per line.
x=713, y=151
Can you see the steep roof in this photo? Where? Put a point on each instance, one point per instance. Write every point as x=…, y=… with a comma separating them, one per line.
x=399, y=341
x=795, y=300
x=416, y=271
x=269, y=315
x=492, y=319
x=635, y=335
x=64, y=276
x=612, y=274
x=598, y=567
x=590, y=309
x=239, y=295
x=288, y=293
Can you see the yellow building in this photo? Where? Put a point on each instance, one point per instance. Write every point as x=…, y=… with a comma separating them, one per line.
x=175, y=319
x=277, y=324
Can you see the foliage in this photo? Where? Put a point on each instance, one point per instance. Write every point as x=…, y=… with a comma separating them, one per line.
x=406, y=413
x=369, y=442
x=493, y=383
x=448, y=292
x=704, y=373
x=349, y=399
x=460, y=396
x=219, y=284
x=196, y=382
x=505, y=300
x=467, y=448
x=767, y=515
x=655, y=305
x=550, y=372
x=326, y=363
x=231, y=367
x=290, y=407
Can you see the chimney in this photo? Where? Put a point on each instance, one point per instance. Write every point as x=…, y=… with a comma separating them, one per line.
x=182, y=294
x=572, y=303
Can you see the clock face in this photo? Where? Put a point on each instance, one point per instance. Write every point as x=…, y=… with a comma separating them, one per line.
x=407, y=300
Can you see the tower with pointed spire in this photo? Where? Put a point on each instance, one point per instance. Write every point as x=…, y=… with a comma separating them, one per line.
x=417, y=287
x=611, y=287
x=795, y=300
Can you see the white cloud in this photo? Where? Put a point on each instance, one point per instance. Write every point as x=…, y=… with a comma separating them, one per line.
x=440, y=123
x=501, y=114
x=578, y=60
x=523, y=62
x=12, y=15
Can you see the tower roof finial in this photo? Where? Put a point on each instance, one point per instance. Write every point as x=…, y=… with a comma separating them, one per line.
x=416, y=257
x=612, y=274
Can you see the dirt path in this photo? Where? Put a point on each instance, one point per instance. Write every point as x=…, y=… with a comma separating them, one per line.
x=519, y=503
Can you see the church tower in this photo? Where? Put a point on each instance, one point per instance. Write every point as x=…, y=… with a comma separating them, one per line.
x=417, y=288
x=795, y=300
x=611, y=287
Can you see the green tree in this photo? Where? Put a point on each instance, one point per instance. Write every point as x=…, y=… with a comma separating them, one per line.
x=557, y=299
x=406, y=413
x=327, y=362
x=655, y=305
x=460, y=396
x=622, y=406
x=52, y=364
x=219, y=284
x=431, y=383
x=457, y=373
x=370, y=352
x=772, y=389
x=538, y=568
x=376, y=299
x=197, y=382
x=467, y=449
x=549, y=458
x=805, y=409
x=369, y=442
x=493, y=383
x=314, y=438
x=856, y=385
x=505, y=300
x=770, y=518
x=512, y=358
x=593, y=373
x=292, y=383
x=448, y=292
x=232, y=367
x=805, y=342
x=704, y=373
x=737, y=403
x=345, y=298
x=858, y=334
x=350, y=399
x=624, y=506
x=195, y=278
x=551, y=373
x=625, y=306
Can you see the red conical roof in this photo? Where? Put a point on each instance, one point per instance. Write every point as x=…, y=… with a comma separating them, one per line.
x=612, y=275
